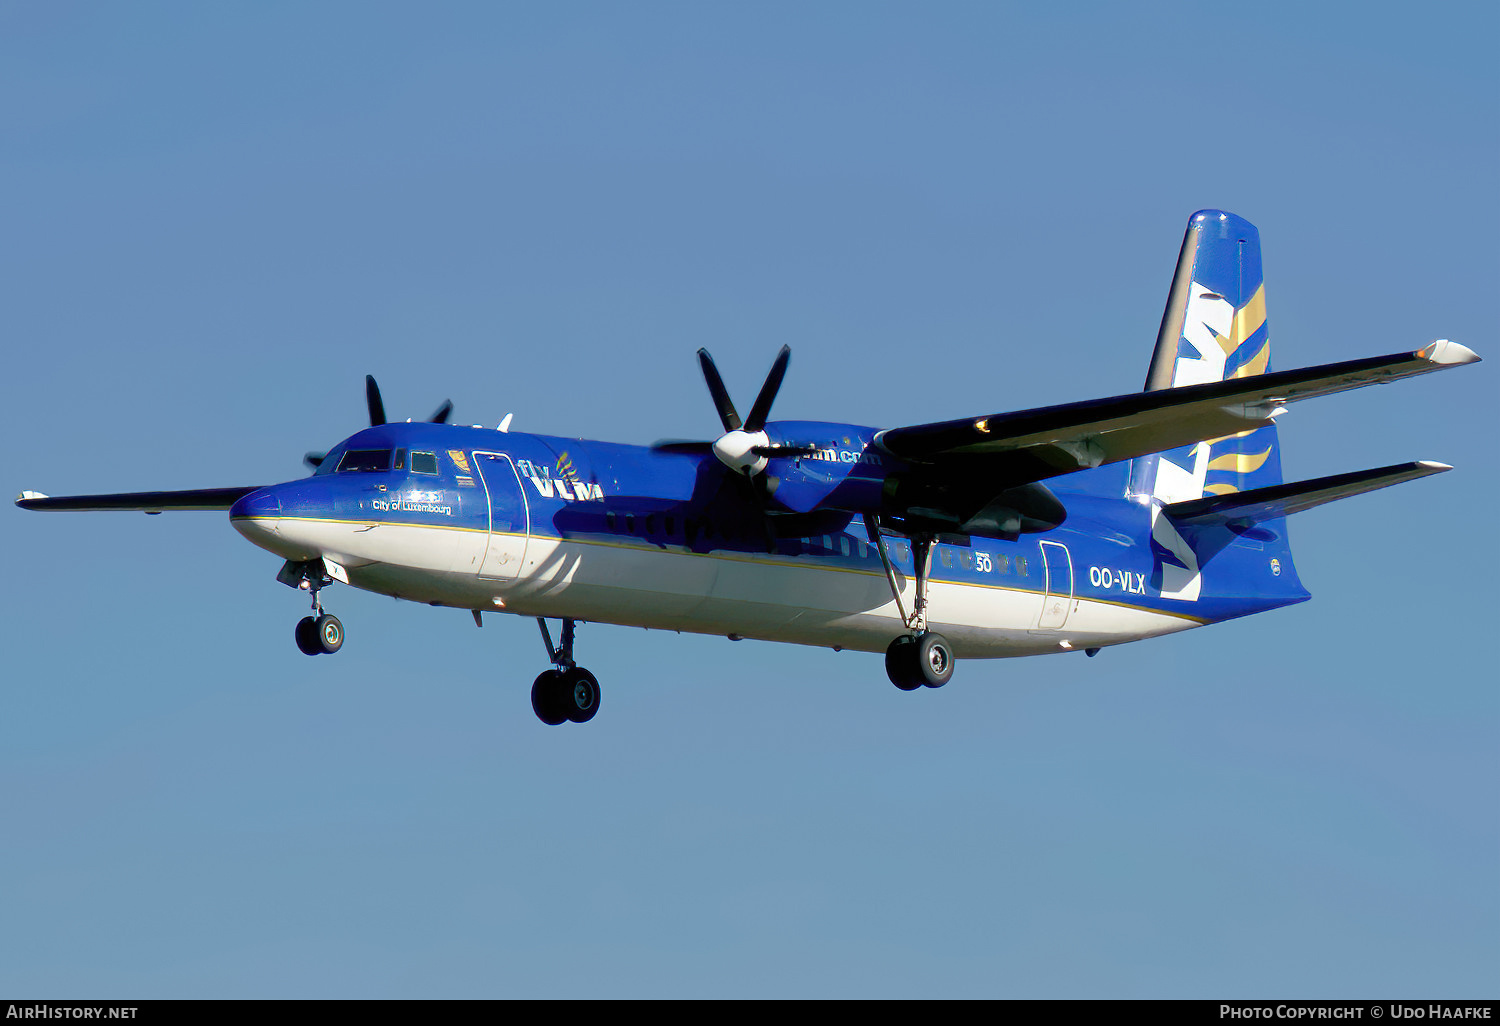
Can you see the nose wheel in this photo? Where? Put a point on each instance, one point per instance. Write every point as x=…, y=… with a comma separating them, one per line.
x=567, y=692
x=321, y=633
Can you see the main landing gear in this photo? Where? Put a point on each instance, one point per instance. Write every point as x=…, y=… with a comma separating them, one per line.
x=567, y=691
x=321, y=633
x=920, y=658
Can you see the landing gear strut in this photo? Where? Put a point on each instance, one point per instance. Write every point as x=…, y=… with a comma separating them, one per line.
x=921, y=657
x=321, y=633
x=567, y=691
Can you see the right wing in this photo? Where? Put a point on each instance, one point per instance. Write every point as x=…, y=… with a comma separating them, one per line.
x=144, y=502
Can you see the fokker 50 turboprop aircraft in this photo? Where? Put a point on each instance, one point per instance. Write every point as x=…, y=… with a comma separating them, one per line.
x=1163, y=509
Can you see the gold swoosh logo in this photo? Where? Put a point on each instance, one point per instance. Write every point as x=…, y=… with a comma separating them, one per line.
x=1240, y=462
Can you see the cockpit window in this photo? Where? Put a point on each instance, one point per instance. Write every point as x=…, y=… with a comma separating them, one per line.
x=365, y=459
x=424, y=463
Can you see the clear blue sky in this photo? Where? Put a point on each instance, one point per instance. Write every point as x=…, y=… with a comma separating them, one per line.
x=219, y=217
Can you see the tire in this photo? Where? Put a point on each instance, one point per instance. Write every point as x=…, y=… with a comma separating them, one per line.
x=901, y=663
x=545, y=695
x=934, y=660
x=330, y=633
x=579, y=694
x=307, y=636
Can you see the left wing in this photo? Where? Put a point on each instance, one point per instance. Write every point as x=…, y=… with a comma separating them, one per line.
x=144, y=502
x=1031, y=445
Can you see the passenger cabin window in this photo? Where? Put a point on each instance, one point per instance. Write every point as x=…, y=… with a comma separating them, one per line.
x=424, y=463
x=365, y=460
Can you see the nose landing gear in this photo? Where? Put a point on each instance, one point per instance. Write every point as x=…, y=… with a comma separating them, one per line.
x=567, y=692
x=321, y=633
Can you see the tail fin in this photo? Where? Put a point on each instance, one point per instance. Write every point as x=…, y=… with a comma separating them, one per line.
x=1214, y=328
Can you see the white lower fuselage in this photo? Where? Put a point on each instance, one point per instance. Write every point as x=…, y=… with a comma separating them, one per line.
x=834, y=601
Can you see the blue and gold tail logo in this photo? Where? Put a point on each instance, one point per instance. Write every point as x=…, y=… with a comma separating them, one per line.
x=1222, y=334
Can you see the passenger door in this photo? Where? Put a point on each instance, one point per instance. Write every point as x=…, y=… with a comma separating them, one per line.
x=1057, y=601
x=510, y=516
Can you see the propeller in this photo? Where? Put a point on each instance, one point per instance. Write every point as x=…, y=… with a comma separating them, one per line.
x=744, y=446
x=376, y=407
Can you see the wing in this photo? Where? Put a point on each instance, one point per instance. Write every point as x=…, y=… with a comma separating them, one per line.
x=1031, y=445
x=144, y=502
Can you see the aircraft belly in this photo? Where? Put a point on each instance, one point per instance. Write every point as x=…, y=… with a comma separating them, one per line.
x=776, y=600
x=654, y=583
x=735, y=594
x=416, y=546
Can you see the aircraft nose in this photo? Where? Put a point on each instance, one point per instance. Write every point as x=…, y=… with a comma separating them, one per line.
x=262, y=503
x=257, y=516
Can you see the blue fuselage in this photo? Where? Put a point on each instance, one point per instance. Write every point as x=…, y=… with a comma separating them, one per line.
x=546, y=526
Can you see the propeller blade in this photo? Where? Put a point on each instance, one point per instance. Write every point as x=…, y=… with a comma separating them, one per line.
x=762, y=408
x=441, y=416
x=315, y=459
x=372, y=399
x=682, y=447
x=727, y=415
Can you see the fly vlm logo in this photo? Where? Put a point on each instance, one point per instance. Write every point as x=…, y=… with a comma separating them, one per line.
x=547, y=486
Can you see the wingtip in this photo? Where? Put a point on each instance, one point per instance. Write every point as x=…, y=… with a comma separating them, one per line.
x=1448, y=353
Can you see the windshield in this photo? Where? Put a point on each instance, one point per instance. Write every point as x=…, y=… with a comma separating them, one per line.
x=365, y=459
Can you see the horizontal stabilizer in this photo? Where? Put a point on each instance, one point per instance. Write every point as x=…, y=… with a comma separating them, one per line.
x=143, y=502
x=1041, y=443
x=1245, y=508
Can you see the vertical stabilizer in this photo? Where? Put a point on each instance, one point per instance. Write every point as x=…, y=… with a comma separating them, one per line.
x=1214, y=328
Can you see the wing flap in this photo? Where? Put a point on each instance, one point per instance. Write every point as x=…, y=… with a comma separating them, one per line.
x=143, y=502
x=1061, y=439
x=1244, y=508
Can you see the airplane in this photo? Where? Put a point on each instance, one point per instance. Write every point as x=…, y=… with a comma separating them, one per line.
x=1059, y=529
